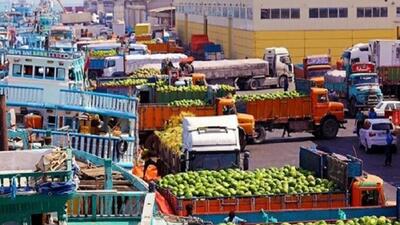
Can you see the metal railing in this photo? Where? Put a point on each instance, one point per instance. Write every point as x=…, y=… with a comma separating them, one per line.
x=106, y=205
x=106, y=147
x=20, y=95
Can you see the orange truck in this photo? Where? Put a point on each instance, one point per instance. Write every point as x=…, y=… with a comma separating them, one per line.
x=314, y=68
x=353, y=189
x=313, y=112
x=153, y=117
x=160, y=48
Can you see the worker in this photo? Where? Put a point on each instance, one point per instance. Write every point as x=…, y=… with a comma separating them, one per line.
x=286, y=129
x=285, y=83
x=232, y=218
x=333, y=95
x=388, y=148
x=189, y=210
x=229, y=109
x=372, y=114
x=151, y=166
x=360, y=117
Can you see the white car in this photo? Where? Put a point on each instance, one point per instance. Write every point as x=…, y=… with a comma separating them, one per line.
x=386, y=105
x=373, y=134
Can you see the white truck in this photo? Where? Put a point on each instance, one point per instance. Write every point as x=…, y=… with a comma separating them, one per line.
x=248, y=74
x=201, y=150
x=115, y=66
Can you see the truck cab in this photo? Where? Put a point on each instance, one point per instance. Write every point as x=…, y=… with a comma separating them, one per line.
x=363, y=86
x=315, y=68
x=203, y=151
x=280, y=63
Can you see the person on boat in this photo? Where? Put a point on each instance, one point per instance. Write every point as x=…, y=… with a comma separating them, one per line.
x=232, y=218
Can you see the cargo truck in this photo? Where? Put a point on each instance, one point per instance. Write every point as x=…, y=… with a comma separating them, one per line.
x=357, y=86
x=312, y=112
x=153, y=117
x=314, y=68
x=200, y=149
x=355, y=189
x=385, y=54
x=119, y=66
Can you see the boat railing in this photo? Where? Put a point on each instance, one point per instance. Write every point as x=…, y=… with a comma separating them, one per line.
x=118, y=149
x=20, y=95
x=72, y=100
x=106, y=205
x=100, y=101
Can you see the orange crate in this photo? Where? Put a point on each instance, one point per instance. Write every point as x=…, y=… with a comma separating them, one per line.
x=246, y=204
x=307, y=201
x=291, y=201
x=276, y=202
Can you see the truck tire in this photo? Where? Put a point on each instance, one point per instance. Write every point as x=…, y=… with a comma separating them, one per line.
x=329, y=128
x=259, y=134
x=252, y=84
x=281, y=80
x=317, y=134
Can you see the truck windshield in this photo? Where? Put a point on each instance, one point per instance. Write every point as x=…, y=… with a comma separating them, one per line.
x=316, y=73
x=360, y=80
x=213, y=160
x=382, y=126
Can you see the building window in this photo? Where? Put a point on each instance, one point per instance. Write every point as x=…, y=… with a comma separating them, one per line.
x=313, y=13
x=265, y=14
x=398, y=11
x=285, y=13
x=328, y=13
x=242, y=13
x=295, y=13
x=370, y=12
x=249, y=13
x=333, y=12
x=17, y=70
x=343, y=13
x=280, y=13
x=236, y=12
x=224, y=11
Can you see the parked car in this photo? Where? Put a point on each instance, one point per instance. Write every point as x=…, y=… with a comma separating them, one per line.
x=386, y=105
x=373, y=134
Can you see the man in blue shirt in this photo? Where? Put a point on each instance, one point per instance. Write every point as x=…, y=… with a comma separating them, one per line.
x=372, y=114
x=232, y=218
x=388, y=148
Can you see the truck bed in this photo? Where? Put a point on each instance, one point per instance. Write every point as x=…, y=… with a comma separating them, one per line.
x=154, y=116
x=231, y=68
x=206, y=206
x=277, y=109
x=390, y=75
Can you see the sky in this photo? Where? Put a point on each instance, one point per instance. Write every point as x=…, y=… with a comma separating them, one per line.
x=64, y=2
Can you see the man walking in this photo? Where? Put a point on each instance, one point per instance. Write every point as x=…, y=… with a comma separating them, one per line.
x=285, y=83
x=388, y=148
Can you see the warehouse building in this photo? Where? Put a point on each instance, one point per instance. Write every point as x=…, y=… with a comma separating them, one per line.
x=246, y=27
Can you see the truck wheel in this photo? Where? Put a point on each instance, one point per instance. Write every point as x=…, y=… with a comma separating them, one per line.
x=281, y=81
x=252, y=84
x=259, y=134
x=330, y=128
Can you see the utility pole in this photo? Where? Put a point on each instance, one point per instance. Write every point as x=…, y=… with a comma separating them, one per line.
x=3, y=124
